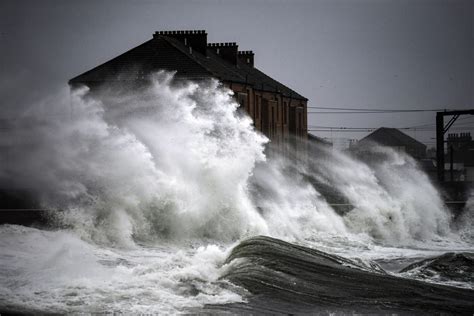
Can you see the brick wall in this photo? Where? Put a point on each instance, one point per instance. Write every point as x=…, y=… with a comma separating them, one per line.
x=276, y=116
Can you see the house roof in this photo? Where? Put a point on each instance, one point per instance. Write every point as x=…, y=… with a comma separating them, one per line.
x=167, y=53
x=137, y=63
x=391, y=137
x=319, y=140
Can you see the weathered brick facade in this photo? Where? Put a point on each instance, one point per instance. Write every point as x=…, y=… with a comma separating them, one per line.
x=276, y=116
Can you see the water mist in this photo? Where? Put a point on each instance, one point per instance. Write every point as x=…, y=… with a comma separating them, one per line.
x=150, y=188
x=177, y=161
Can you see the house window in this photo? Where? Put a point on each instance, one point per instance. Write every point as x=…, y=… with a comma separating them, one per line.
x=272, y=125
x=257, y=108
x=248, y=101
x=300, y=124
x=279, y=112
x=242, y=100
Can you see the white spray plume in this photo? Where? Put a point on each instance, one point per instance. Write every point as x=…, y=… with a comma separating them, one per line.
x=169, y=161
x=393, y=200
x=465, y=221
x=178, y=161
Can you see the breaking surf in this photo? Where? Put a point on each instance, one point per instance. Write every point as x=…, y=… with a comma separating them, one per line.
x=149, y=191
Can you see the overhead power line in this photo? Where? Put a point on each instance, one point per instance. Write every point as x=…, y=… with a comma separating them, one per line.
x=373, y=110
x=419, y=127
x=334, y=130
x=369, y=129
x=370, y=112
x=346, y=110
x=456, y=123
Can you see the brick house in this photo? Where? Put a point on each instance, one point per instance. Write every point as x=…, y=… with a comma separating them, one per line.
x=276, y=110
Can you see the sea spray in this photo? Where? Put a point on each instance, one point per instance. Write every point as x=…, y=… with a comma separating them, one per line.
x=176, y=160
x=464, y=223
x=291, y=206
x=152, y=188
x=393, y=201
x=172, y=161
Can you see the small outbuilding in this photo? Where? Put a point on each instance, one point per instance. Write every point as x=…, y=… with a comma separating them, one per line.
x=394, y=138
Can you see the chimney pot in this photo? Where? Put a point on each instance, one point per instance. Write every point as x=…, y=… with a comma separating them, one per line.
x=193, y=38
x=227, y=51
x=247, y=57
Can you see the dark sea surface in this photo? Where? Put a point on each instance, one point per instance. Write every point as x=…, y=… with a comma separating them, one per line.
x=285, y=278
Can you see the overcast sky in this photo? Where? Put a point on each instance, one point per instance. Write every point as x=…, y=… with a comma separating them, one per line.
x=398, y=54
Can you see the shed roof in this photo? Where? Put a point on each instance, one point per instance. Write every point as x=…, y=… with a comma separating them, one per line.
x=318, y=140
x=391, y=137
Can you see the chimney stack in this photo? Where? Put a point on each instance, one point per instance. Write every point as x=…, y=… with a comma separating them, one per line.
x=227, y=51
x=196, y=39
x=246, y=57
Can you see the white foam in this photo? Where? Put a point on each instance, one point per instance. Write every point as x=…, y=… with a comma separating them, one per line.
x=58, y=272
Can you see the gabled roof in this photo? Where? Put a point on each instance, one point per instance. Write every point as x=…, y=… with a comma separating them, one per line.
x=167, y=53
x=137, y=63
x=391, y=137
x=318, y=140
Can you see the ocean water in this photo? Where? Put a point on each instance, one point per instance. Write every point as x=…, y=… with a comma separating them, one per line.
x=150, y=191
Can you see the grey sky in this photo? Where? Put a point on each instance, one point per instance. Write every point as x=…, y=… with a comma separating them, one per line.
x=375, y=54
